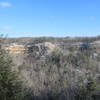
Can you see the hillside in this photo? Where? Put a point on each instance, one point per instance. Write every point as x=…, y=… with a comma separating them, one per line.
x=57, y=68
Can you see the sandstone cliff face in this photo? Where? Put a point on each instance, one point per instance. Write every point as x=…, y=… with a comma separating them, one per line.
x=14, y=49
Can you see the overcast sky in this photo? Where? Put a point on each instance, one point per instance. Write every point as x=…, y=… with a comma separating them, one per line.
x=26, y=18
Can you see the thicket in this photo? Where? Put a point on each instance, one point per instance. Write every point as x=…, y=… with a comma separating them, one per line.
x=62, y=76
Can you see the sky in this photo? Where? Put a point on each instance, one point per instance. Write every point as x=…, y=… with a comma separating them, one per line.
x=57, y=18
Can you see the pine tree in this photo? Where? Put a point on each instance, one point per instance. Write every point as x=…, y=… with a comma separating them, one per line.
x=10, y=85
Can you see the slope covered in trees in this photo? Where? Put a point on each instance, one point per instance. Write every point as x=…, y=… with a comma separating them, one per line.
x=69, y=72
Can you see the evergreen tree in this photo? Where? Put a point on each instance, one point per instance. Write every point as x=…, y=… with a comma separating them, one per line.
x=10, y=85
